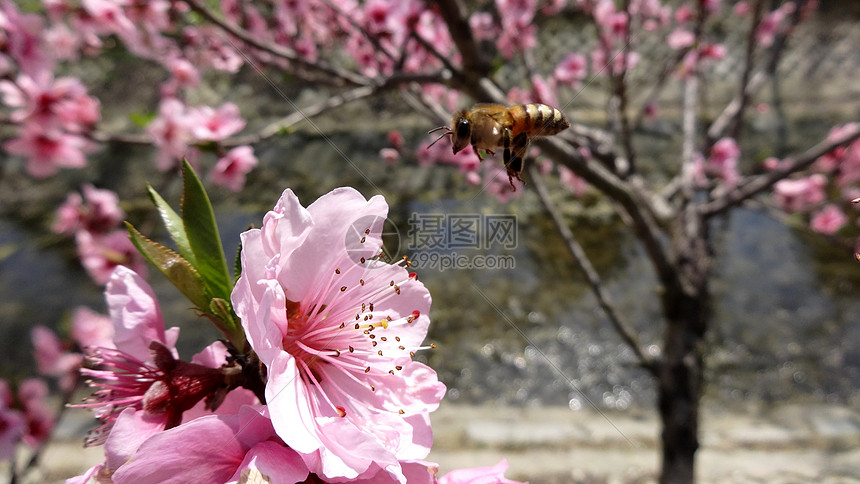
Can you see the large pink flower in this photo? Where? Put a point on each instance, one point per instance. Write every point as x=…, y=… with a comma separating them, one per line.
x=337, y=329
x=479, y=475
x=214, y=448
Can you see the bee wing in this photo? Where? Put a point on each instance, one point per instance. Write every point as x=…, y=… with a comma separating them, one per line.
x=497, y=112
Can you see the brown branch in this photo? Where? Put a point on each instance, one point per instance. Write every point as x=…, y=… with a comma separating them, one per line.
x=475, y=65
x=581, y=259
x=724, y=120
x=622, y=93
x=758, y=184
x=346, y=77
x=736, y=123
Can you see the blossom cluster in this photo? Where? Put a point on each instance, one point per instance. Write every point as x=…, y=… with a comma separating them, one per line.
x=93, y=218
x=333, y=329
x=825, y=194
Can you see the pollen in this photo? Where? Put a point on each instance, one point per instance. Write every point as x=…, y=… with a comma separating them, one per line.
x=337, y=271
x=367, y=370
x=342, y=288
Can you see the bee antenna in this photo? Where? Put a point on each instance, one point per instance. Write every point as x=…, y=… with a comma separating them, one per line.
x=437, y=129
x=446, y=133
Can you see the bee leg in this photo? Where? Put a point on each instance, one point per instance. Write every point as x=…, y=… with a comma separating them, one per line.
x=514, y=165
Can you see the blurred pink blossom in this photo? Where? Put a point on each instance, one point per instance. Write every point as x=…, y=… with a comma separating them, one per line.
x=22, y=34
x=52, y=359
x=828, y=220
x=33, y=396
x=483, y=26
x=171, y=132
x=100, y=254
x=479, y=475
x=231, y=169
x=680, y=38
x=215, y=125
x=47, y=150
x=569, y=180
x=800, y=194
x=571, y=70
x=769, y=26
x=389, y=155
x=12, y=423
x=723, y=160
x=97, y=211
x=741, y=9
x=90, y=328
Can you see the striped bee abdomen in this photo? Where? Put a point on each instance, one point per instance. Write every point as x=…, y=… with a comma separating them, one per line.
x=538, y=119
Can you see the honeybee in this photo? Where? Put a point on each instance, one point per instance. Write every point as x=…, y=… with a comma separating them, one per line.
x=490, y=126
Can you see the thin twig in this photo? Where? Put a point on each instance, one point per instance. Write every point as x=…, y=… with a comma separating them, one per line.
x=299, y=116
x=736, y=122
x=581, y=259
x=330, y=72
x=758, y=184
x=723, y=121
x=621, y=91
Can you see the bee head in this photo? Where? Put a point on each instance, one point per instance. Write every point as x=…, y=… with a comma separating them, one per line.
x=461, y=131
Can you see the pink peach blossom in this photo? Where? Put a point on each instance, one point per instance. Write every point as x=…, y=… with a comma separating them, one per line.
x=483, y=26
x=724, y=157
x=171, y=133
x=828, y=220
x=40, y=419
x=571, y=69
x=97, y=211
x=12, y=423
x=569, y=180
x=47, y=150
x=100, y=254
x=680, y=38
x=91, y=329
x=52, y=359
x=800, y=194
x=22, y=39
x=139, y=368
x=215, y=125
x=230, y=170
x=479, y=475
x=222, y=448
x=389, y=155
x=336, y=328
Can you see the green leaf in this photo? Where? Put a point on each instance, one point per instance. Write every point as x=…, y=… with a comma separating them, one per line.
x=237, y=264
x=141, y=120
x=174, y=267
x=199, y=221
x=174, y=225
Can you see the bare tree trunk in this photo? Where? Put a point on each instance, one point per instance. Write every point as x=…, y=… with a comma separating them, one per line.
x=680, y=370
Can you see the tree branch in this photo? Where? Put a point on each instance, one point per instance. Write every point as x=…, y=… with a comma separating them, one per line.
x=591, y=275
x=723, y=121
x=346, y=77
x=475, y=65
x=755, y=185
